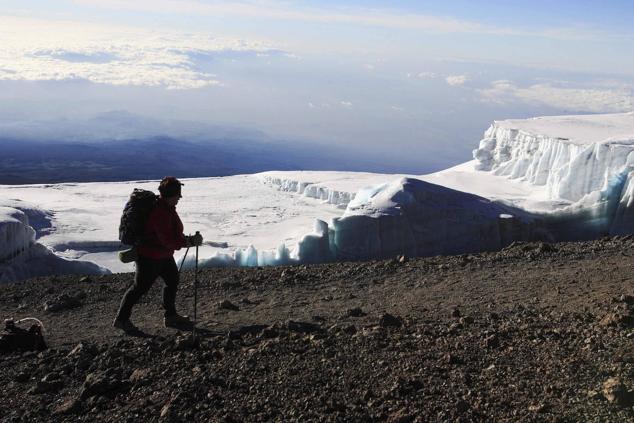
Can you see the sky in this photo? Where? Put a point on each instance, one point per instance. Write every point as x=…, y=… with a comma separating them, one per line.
x=412, y=81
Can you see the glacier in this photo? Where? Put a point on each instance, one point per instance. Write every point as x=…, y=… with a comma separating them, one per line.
x=572, y=156
x=21, y=257
x=554, y=178
x=585, y=164
x=560, y=178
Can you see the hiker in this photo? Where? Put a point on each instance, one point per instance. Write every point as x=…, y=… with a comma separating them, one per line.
x=163, y=234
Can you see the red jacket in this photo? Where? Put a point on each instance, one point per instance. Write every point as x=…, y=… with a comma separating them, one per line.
x=163, y=232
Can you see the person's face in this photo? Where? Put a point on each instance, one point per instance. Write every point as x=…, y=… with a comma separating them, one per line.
x=173, y=201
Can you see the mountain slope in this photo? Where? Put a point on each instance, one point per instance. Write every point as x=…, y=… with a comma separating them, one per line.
x=531, y=333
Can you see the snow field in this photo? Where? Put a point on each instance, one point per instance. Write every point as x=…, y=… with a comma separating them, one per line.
x=552, y=178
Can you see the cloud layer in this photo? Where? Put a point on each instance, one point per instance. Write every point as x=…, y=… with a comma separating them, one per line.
x=594, y=100
x=45, y=50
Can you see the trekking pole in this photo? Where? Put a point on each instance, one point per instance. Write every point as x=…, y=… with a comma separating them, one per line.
x=195, y=293
x=183, y=262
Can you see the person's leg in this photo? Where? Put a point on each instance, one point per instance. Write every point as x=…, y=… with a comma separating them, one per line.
x=169, y=274
x=146, y=273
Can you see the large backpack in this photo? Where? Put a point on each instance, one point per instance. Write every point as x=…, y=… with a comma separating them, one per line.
x=135, y=215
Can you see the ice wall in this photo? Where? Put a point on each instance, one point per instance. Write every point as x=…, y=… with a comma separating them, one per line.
x=569, y=168
x=314, y=247
x=623, y=221
x=416, y=218
x=309, y=189
x=21, y=257
x=585, y=161
x=16, y=236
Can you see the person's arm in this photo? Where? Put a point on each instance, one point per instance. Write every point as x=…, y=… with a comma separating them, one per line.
x=194, y=240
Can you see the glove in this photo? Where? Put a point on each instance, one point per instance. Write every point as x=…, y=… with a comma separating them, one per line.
x=128, y=256
x=194, y=240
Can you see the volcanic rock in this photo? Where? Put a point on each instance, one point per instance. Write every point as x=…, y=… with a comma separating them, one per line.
x=387, y=320
x=64, y=302
x=616, y=392
x=228, y=305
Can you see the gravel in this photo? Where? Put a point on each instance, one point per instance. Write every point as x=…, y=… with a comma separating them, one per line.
x=535, y=332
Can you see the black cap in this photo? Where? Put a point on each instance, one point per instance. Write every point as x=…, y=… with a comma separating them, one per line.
x=170, y=187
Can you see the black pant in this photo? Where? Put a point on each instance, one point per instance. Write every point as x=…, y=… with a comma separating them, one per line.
x=147, y=270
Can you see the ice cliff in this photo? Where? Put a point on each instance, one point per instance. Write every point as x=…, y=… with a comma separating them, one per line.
x=584, y=162
x=416, y=218
x=21, y=257
x=335, y=188
x=572, y=156
x=16, y=235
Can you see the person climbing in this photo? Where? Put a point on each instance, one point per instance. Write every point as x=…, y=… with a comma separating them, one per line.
x=163, y=234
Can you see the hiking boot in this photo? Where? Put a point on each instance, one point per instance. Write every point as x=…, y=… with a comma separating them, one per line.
x=178, y=321
x=125, y=325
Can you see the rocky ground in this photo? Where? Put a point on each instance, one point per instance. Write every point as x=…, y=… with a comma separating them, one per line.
x=536, y=332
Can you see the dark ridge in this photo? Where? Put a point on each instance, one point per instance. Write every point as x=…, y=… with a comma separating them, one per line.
x=31, y=162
